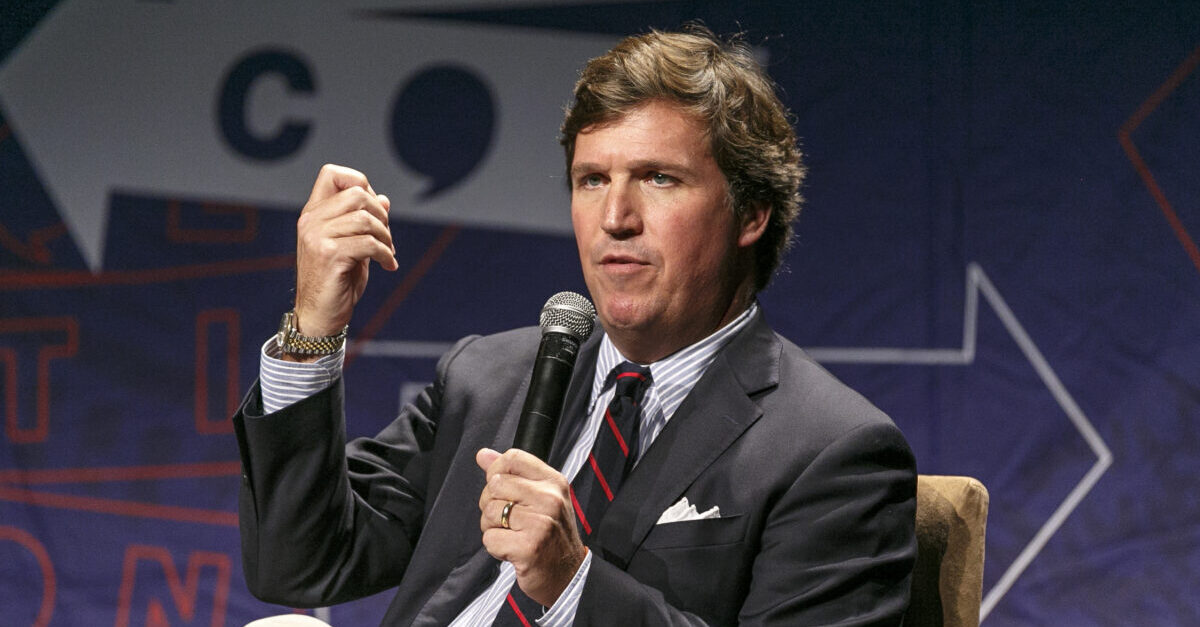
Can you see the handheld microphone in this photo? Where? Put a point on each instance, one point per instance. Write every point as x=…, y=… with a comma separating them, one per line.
x=566, y=320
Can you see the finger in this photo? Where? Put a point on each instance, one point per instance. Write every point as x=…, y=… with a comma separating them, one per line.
x=524, y=464
x=519, y=541
x=530, y=537
x=350, y=212
x=358, y=223
x=506, y=487
x=503, y=486
x=485, y=457
x=335, y=178
x=382, y=253
x=386, y=203
x=356, y=199
x=549, y=498
x=502, y=544
x=359, y=248
x=491, y=515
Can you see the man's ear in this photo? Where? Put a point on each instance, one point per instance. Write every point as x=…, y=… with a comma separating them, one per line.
x=753, y=222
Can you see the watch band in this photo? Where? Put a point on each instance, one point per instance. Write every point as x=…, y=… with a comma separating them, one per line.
x=290, y=340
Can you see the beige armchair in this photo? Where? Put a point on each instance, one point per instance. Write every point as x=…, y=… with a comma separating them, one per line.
x=947, y=582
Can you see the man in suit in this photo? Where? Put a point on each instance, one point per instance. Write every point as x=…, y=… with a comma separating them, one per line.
x=800, y=494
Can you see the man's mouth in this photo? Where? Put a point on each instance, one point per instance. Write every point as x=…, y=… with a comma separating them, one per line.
x=622, y=258
x=622, y=263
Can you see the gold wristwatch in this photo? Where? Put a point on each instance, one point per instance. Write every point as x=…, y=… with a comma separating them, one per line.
x=291, y=341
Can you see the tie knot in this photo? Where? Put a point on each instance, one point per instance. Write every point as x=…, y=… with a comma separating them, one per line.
x=631, y=380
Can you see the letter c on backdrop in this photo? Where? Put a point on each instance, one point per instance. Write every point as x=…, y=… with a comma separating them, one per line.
x=231, y=106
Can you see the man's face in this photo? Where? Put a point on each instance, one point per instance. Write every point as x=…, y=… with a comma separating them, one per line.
x=662, y=255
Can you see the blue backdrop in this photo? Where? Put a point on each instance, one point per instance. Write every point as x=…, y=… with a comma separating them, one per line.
x=997, y=249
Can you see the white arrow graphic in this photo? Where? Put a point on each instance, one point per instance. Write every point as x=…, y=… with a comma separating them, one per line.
x=977, y=283
x=124, y=96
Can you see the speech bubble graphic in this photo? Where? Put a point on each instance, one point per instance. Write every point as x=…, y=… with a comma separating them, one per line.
x=422, y=124
x=193, y=108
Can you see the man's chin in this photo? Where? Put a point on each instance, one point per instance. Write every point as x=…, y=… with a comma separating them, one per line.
x=618, y=315
x=630, y=328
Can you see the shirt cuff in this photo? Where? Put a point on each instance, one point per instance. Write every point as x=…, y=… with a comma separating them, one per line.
x=287, y=382
x=562, y=613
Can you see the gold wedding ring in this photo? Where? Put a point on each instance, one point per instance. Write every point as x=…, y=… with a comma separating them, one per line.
x=504, y=514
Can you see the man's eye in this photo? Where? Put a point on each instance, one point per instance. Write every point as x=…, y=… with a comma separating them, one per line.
x=658, y=178
x=591, y=180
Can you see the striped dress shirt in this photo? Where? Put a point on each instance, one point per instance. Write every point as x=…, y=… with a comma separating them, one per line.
x=284, y=383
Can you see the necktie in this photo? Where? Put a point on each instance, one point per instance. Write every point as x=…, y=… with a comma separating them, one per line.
x=614, y=451
x=613, y=456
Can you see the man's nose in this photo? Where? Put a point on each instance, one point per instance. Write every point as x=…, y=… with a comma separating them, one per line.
x=622, y=212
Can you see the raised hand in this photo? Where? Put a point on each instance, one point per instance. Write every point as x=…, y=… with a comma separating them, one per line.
x=343, y=226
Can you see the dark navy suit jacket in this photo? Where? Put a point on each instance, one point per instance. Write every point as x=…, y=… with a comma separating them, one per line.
x=816, y=489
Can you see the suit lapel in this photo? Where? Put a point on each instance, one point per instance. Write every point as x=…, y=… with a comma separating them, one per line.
x=574, y=413
x=461, y=586
x=717, y=411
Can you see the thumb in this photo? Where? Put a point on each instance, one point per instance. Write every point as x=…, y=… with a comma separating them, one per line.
x=486, y=457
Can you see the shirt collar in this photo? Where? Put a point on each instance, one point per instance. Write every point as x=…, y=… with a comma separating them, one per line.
x=673, y=376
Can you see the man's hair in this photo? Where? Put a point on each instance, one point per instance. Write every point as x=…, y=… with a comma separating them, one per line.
x=719, y=82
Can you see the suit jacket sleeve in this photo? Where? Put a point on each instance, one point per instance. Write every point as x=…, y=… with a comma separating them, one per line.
x=322, y=522
x=837, y=548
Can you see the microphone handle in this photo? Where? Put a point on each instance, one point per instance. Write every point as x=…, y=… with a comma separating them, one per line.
x=547, y=391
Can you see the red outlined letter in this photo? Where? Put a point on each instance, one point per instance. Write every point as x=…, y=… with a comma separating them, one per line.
x=46, y=352
x=184, y=592
x=177, y=232
x=206, y=320
x=31, y=544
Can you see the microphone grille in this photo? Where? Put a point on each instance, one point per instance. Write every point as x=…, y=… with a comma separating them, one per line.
x=569, y=313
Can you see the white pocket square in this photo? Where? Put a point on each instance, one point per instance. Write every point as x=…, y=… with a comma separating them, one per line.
x=683, y=510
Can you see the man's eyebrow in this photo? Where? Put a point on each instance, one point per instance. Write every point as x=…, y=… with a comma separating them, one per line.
x=657, y=164
x=580, y=169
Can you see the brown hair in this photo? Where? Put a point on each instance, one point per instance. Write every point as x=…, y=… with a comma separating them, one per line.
x=722, y=85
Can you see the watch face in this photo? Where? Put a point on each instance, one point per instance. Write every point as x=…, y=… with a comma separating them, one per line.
x=285, y=327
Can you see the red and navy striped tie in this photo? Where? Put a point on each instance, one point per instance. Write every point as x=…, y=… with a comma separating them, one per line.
x=613, y=455
x=614, y=451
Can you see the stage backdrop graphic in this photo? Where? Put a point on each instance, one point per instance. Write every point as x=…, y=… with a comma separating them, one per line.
x=998, y=249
